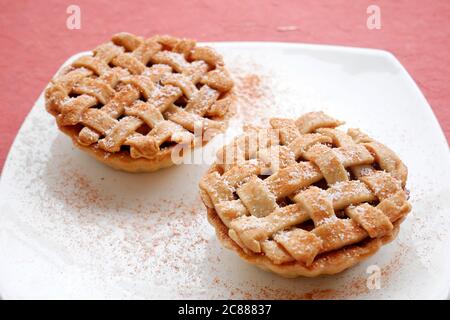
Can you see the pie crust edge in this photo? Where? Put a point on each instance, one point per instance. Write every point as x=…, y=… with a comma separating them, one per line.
x=122, y=160
x=328, y=263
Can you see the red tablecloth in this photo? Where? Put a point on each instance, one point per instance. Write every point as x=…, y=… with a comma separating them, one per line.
x=35, y=40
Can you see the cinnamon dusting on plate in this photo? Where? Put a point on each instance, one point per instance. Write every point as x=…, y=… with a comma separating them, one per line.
x=254, y=97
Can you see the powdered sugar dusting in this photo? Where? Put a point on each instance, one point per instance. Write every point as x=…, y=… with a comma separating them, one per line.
x=116, y=235
x=263, y=92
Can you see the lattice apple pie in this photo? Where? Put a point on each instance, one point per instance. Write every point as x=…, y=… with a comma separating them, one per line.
x=134, y=99
x=303, y=198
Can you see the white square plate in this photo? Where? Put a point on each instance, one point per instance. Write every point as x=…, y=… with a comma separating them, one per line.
x=73, y=228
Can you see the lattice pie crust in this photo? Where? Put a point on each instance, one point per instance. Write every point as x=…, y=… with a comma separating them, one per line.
x=131, y=101
x=303, y=198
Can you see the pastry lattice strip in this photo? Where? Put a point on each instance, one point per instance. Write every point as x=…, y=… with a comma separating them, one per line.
x=371, y=197
x=117, y=93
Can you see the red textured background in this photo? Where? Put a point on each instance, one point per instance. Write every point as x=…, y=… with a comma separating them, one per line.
x=34, y=40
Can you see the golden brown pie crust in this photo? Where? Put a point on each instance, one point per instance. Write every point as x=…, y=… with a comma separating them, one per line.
x=134, y=99
x=345, y=197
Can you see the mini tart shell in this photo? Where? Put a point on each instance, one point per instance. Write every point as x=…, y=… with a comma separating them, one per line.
x=123, y=161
